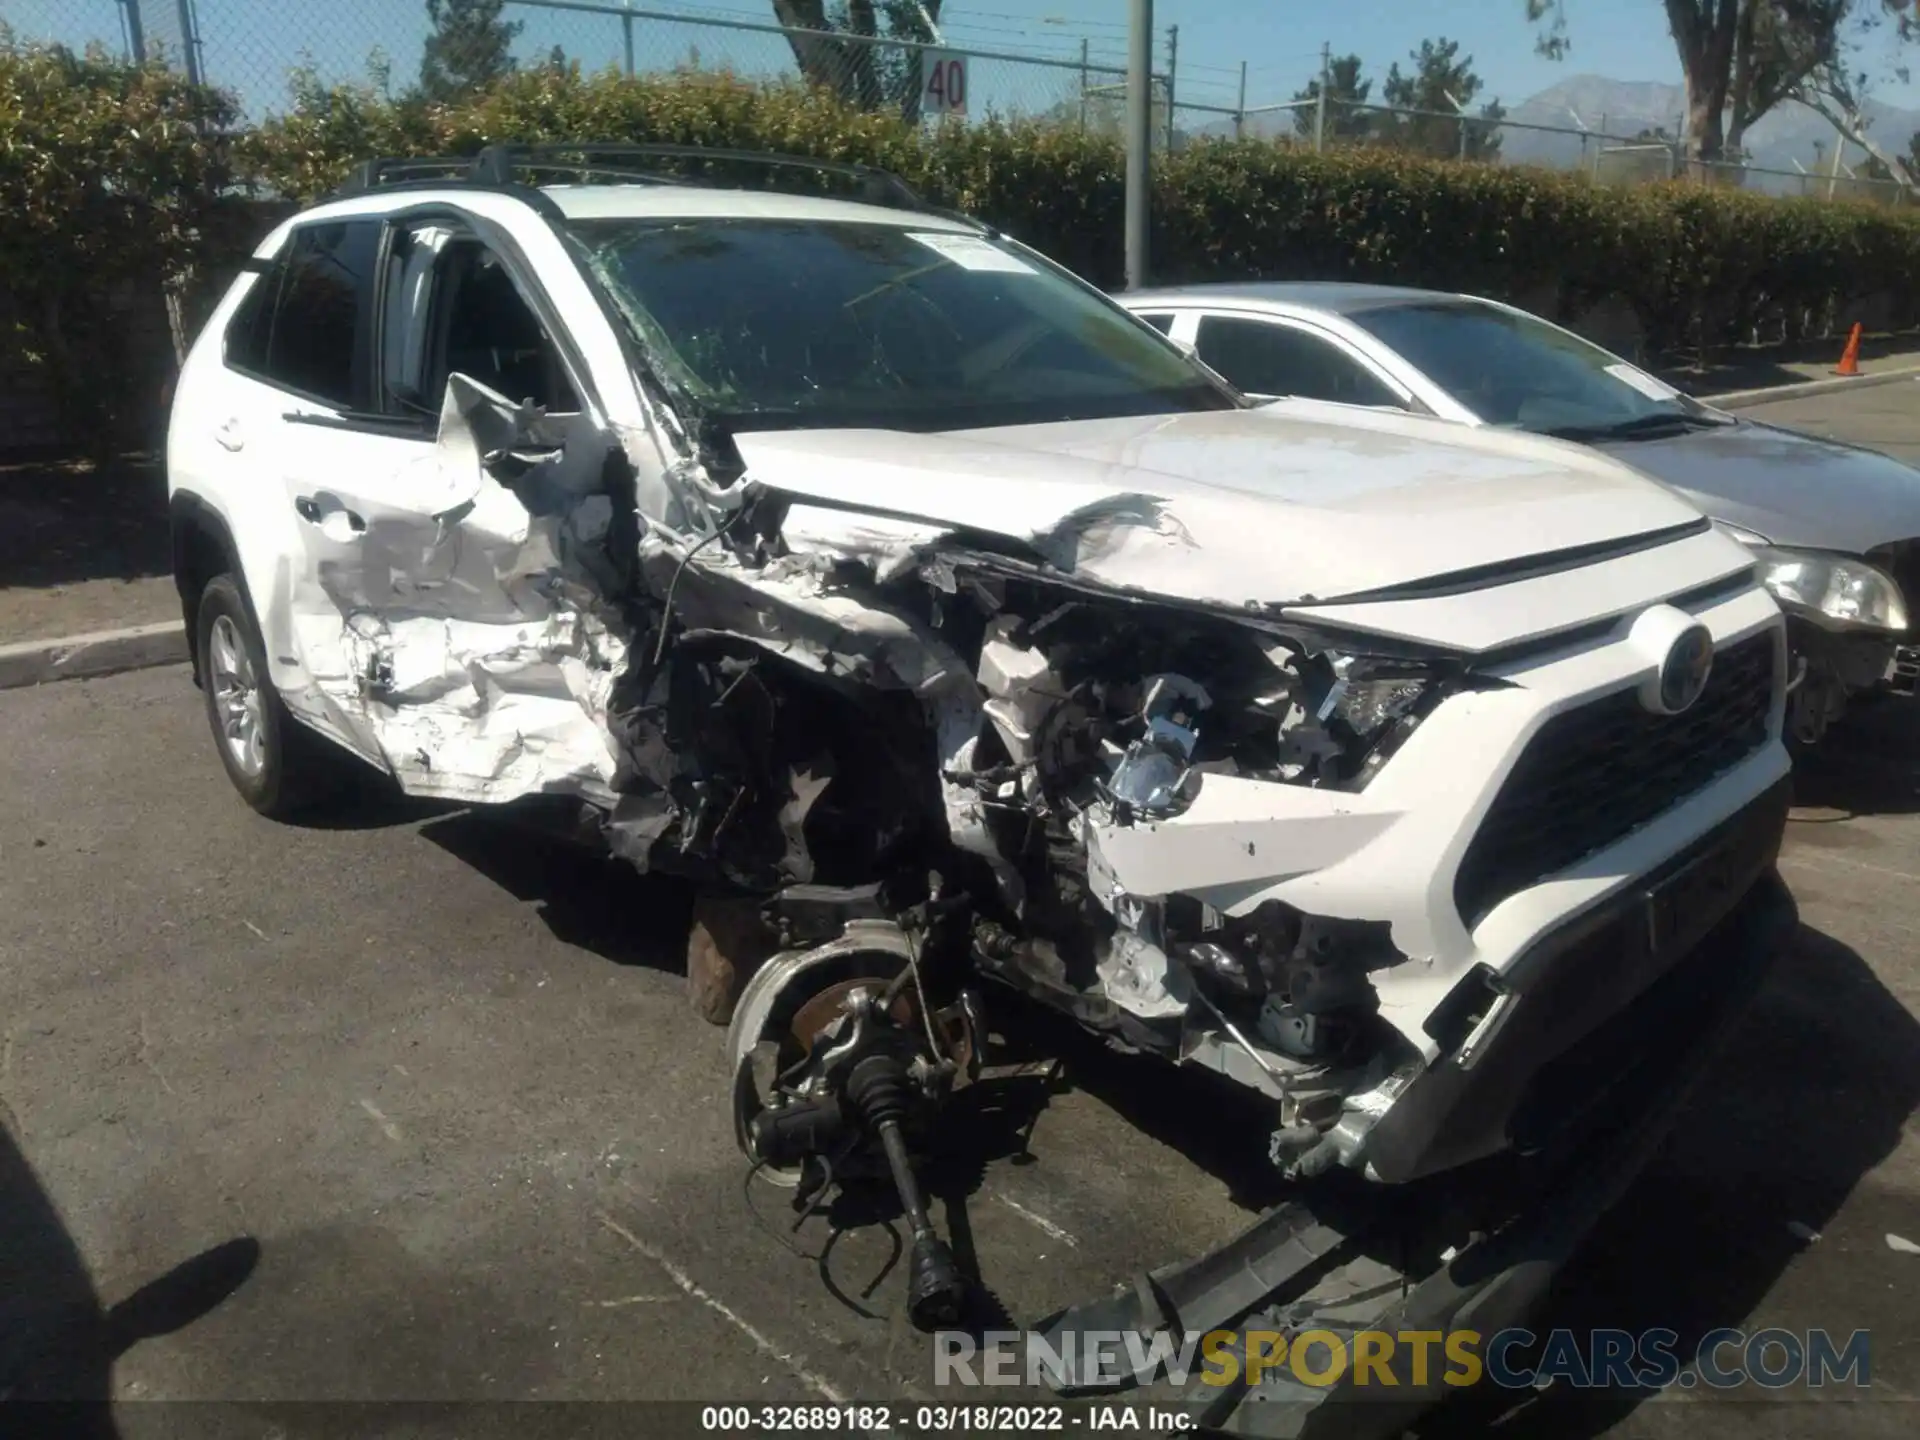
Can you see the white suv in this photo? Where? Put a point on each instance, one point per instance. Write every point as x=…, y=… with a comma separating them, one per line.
x=853, y=559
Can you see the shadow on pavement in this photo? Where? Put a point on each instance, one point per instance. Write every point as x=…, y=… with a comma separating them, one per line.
x=1810, y=1095
x=1220, y=1127
x=1868, y=764
x=585, y=897
x=57, y=1342
x=1730, y=370
x=64, y=522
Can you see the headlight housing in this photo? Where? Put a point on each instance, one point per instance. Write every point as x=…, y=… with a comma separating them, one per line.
x=1836, y=590
x=1372, y=706
x=1369, y=695
x=1839, y=592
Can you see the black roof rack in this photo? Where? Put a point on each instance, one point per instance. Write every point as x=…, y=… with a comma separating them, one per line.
x=369, y=174
x=507, y=166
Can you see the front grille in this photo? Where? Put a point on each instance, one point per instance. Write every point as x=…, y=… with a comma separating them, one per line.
x=1591, y=776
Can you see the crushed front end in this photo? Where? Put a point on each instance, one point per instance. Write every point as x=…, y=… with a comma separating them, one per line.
x=1404, y=891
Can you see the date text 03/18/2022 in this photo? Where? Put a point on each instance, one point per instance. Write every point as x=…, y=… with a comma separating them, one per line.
x=970, y=1420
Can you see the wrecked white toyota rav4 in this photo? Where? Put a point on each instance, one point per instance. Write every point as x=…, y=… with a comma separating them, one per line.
x=854, y=561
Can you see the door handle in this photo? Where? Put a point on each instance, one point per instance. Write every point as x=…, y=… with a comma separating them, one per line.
x=229, y=436
x=308, y=508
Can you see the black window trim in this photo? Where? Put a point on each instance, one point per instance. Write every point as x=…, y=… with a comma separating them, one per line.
x=526, y=279
x=273, y=270
x=1305, y=325
x=406, y=425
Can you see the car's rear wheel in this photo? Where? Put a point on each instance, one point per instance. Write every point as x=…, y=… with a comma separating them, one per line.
x=279, y=766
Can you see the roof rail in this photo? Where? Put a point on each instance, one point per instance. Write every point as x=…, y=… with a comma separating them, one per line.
x=369, y=174
x=497, y=163
x=506, y=166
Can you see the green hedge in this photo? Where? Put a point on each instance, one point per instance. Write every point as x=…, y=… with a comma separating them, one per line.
x=108, y=183
x=110, y=167
x=1701, y=267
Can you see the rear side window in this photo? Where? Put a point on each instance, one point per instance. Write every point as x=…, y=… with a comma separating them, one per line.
x=307, y=324
x=1264, y=358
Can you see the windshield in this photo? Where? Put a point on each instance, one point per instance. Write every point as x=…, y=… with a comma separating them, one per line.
x=1511, y=369
x=798, y=323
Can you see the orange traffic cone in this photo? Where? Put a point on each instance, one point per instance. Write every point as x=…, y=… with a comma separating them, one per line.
x=1850, y=357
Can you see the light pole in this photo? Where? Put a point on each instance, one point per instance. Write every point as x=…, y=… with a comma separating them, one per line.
x=1139, y=137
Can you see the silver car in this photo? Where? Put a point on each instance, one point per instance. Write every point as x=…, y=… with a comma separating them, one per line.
x=1836, y=528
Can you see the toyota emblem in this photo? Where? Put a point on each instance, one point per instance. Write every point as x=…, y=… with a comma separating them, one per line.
x=1683, y=674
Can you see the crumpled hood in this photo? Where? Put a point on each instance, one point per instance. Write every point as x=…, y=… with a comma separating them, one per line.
x=1794, y=489
x=1291, y=501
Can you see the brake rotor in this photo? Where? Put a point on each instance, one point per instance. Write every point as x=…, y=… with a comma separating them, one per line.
x=813, y=1017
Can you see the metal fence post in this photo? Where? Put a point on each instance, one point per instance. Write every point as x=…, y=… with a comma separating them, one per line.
x=1173, y=68
x=626, y=36
x=189, y=42
x=1083, y=82
x=136, y=33
x=1139, y=138
x=1240, y=106
x=1320, y=101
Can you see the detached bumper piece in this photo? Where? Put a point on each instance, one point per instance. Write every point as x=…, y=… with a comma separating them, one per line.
x=1304, y=1267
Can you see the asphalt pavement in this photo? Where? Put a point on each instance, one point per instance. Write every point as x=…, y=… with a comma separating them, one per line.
x=1882, y=417
x=413, y=1107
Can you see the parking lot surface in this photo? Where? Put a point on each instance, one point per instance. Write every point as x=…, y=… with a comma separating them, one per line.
x=414, y=1108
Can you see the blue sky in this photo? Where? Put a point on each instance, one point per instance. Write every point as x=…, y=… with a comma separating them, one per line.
x=249, y=44
x=1280, y=39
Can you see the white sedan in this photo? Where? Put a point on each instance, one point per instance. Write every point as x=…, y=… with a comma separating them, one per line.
x=1836, y=528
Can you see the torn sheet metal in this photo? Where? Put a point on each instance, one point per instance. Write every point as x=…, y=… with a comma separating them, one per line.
x=486, y=713
x=478, y=656
x=887, y=548
x=1021, y=687
x=790, y=611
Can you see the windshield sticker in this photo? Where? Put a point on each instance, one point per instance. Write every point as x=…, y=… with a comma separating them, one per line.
x=1639, y=379
x=970, y=252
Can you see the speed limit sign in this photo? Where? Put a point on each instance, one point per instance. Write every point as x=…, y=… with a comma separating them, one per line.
x=943, y=83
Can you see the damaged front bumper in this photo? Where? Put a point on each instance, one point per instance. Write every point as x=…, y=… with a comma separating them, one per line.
x=1545, y=1039
x=1835, y=667
x=1296, y=1269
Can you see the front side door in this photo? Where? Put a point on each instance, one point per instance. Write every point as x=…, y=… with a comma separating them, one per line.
x=436, y=479
x=459, y=574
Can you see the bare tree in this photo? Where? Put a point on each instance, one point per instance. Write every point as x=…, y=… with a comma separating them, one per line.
x=1840, y=100
x=1779, y=44
x=1742, y=58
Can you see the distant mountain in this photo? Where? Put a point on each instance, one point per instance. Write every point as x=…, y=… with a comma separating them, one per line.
x=1787, y=133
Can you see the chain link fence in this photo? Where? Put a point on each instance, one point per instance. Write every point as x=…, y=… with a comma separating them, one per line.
x=1644, y=158
x=254, y=51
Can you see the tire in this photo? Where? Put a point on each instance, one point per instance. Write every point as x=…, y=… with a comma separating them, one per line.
x=280, y=767
x=726, y=944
